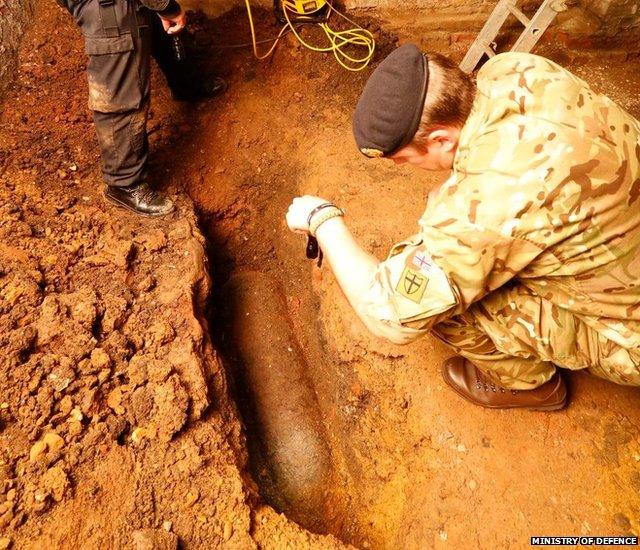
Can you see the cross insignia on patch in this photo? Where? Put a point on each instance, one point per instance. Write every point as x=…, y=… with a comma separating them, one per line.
x=412, y=285
x=422, y=262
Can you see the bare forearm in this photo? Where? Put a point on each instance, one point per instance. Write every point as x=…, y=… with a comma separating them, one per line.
x=355, y=270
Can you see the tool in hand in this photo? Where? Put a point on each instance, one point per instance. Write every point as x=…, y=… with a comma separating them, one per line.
x=177, y=45
x=313, y=249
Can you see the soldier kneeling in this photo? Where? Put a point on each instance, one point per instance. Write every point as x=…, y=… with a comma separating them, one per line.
x=526, y=258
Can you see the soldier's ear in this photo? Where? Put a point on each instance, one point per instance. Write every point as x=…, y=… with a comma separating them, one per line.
x=444, y=138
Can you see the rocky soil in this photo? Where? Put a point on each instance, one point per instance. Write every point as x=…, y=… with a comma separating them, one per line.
x=116, y=427
x=14, y=17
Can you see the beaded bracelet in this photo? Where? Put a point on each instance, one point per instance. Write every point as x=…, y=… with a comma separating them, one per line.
x=327, y=214
x=317, y=209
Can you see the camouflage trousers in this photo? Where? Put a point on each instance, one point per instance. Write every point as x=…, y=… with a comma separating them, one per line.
x=518, y=339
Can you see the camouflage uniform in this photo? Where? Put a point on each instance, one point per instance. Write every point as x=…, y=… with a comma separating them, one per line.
x=528, y=255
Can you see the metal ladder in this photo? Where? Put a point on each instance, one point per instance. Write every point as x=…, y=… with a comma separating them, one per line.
x=533, y=30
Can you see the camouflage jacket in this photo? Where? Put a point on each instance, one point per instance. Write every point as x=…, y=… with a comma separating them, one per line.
x=544, y=192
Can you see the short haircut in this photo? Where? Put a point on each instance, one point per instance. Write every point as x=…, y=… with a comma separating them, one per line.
x=449, y=102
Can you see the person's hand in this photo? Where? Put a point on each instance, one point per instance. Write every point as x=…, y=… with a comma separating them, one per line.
x=299, y=211
x=174, y=23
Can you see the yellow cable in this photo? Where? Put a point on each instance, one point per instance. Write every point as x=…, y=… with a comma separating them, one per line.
x=352, y=37
x=358, y=36
x=338, y=40
x=253, y=35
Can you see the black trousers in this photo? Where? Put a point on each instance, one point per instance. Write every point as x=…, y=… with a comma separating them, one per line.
x=119, y=81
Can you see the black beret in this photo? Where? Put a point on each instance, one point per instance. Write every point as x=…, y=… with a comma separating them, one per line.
x=388, y=113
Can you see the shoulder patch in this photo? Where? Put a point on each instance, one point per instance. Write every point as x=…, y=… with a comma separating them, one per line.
x=419, y=288
x=412, y=285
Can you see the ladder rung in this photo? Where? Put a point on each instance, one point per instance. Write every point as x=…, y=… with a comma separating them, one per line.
x=539, y=23
x=533, y=29
x=488, y=50
x=519, y=15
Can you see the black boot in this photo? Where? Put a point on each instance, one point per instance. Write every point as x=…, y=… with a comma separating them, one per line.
x=199, y=89
x=139, y=198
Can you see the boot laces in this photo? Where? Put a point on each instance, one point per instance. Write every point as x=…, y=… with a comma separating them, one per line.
x=147, y=195
x=482, y=382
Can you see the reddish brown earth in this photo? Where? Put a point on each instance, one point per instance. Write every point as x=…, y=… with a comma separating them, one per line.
x=116, y=415
x=116, y=427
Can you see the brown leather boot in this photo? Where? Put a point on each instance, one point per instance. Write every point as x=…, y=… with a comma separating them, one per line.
x=469, y=382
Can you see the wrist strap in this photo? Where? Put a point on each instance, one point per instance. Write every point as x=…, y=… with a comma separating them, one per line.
x=325, y=215
x=316, y=210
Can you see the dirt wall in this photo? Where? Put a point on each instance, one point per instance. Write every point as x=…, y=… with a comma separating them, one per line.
x=610, y=24
x=14, y=15
x=606, y=22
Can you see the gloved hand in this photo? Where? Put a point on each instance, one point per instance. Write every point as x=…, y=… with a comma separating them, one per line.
x=299, y=210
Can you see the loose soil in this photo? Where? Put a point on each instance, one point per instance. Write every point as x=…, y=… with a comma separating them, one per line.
x=118, y=420
x=116, y=427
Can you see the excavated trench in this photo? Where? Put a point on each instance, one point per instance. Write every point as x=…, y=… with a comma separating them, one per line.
x=265, y=311
x=289, y=449
x=261, y=275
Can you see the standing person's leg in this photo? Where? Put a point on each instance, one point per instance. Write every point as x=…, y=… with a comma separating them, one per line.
x=162, y=50
x=184, y=80
x=123, y=145
x=118, y=73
